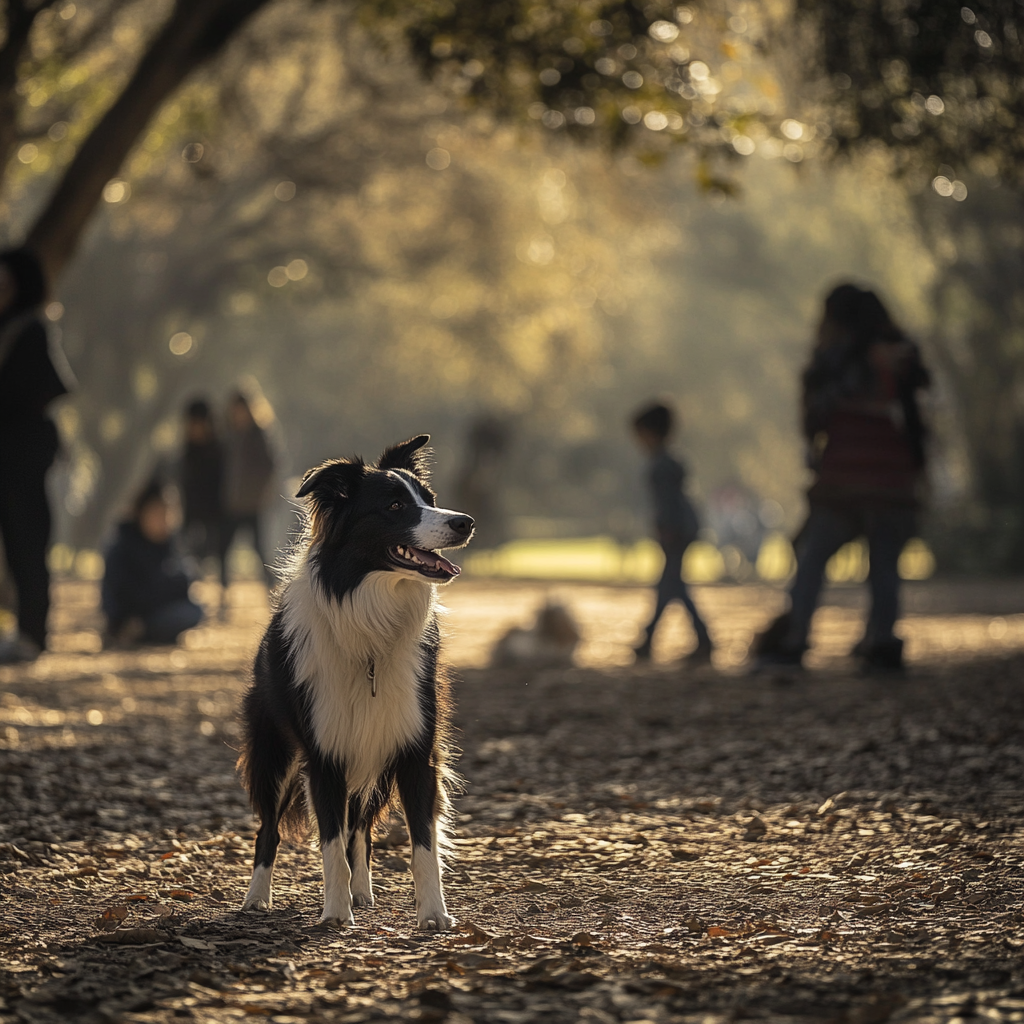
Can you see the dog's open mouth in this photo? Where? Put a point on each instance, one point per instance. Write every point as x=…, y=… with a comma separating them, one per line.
x=426, y=563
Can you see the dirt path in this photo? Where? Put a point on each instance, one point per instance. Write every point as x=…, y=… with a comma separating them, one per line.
x=632, y=845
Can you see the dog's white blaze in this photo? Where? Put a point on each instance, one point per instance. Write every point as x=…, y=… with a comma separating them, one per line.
x=380, y=622
x=433, y=532
x=431, y=911
x=337, y=883
x=362, y=884
x=260, y=894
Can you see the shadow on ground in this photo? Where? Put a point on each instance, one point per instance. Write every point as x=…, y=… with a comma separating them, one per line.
x=631, y=846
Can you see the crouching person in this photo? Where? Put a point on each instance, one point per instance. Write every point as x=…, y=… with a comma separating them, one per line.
x=145, y=586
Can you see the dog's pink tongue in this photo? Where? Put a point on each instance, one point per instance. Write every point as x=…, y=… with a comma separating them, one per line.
x=440, y=562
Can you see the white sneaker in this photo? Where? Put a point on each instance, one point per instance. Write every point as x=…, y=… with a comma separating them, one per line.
x=18, y=649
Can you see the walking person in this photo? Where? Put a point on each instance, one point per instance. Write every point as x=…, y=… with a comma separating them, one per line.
x=675, y=522
x=145, y=585
x=33, y=372
x=201, y=477
x=866, y=441
x=248, y=471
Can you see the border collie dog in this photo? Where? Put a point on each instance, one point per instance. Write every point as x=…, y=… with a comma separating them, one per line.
x=347, y=705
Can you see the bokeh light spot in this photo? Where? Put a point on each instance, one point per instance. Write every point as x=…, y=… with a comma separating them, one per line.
x=180, y=343
x=664, y=31
x=278, y=277
x=438, y=159
x=297, y=270
x=285, y=191
x=116, y=190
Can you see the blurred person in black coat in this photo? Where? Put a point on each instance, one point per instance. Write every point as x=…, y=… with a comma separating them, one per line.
x=248, y=471
x=145, y=585
x=33, y=372
x=201, y=476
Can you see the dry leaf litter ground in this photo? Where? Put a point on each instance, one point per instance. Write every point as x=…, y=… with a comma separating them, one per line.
x=633, y=844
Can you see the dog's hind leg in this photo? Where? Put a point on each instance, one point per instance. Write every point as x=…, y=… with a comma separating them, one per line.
x=420, y=790
x=272, y=773
x=327, y=788
x=359, y=824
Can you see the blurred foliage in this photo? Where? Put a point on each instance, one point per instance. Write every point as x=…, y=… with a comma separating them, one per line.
x=653, y=74
x=387, y=256
x=937, y=82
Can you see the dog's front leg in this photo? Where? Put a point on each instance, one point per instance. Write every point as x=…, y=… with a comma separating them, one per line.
x=420, y=790
x=327, y=788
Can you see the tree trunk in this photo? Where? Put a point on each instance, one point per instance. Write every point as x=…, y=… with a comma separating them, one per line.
x=196, y=30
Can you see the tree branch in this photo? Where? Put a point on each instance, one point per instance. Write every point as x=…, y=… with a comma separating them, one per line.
x=195, y=30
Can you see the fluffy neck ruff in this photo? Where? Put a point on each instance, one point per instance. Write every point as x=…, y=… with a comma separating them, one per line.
x=382, y=614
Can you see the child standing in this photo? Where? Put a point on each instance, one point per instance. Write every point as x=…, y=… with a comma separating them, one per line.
x=675, y=523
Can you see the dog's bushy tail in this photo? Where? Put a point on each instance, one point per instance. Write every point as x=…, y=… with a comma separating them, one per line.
x=272, y=773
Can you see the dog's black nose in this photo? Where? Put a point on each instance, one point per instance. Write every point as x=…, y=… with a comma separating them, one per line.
x=462, y=525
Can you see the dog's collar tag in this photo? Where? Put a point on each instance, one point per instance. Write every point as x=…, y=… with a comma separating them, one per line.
x=371, y=674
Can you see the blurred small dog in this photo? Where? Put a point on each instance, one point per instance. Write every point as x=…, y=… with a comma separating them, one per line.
x=347, y=705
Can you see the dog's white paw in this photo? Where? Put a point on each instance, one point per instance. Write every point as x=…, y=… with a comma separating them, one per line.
x=361, y=899
x=256, y=903
x=435, y=921
x=336, y=922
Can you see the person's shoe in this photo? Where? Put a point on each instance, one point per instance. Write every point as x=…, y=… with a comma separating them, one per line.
x=883, y=656
x=127, y=636
x=700, y=655
x=642, y=652
x=779, y=659
x=18, y=650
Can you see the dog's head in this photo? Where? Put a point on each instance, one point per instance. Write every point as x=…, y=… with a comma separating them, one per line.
x=382, y=517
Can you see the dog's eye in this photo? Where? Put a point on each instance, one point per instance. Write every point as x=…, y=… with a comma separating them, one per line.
x=394, y=506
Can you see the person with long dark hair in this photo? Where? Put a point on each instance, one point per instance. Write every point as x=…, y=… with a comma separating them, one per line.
x=33, y=372
x=866, y=445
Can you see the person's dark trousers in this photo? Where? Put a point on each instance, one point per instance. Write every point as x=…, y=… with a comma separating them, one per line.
x=203, y=538
x=165, y=624
x=670, y=588
x=25, y=526
x=232, y=524
x=825, y=532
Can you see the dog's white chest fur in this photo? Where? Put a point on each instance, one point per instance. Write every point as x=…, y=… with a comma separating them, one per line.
x=380, y=623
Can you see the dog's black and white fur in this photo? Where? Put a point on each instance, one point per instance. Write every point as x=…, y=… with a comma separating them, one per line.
x=347, y=705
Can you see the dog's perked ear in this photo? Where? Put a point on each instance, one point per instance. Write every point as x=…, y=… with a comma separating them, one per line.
x=333, y=478
x=410, y=455
x=328, y=488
